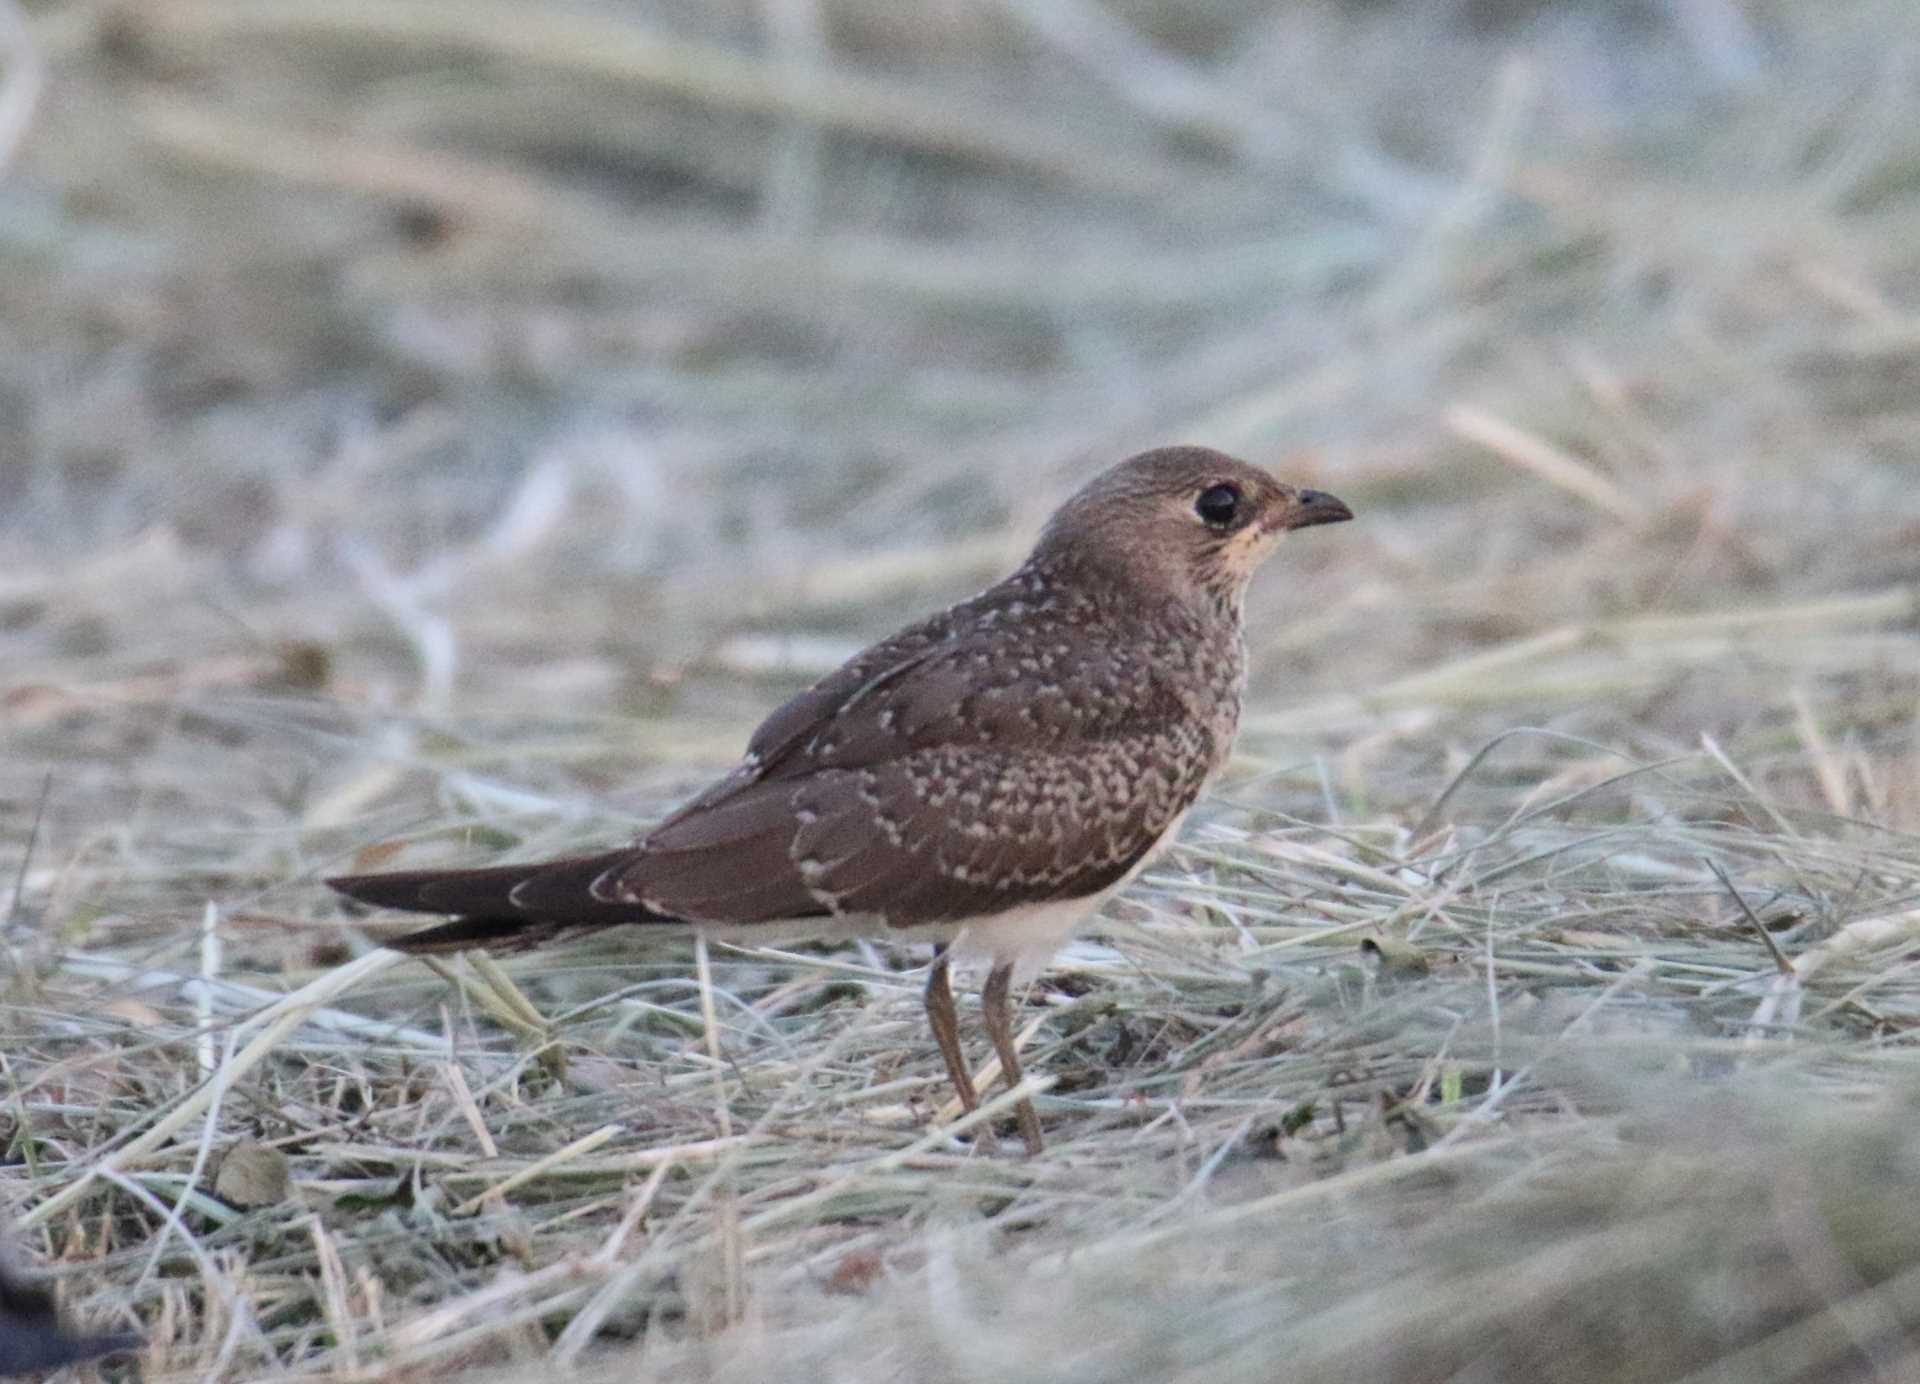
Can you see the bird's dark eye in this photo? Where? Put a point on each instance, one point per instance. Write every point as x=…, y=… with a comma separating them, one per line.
x=1218, y=505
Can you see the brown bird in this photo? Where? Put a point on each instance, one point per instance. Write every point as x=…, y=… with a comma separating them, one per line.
x=985, y=777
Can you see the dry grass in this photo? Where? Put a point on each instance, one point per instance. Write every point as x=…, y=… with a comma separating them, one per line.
x=452, y=425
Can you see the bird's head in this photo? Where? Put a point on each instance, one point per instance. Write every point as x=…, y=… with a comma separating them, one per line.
x=1189, y=521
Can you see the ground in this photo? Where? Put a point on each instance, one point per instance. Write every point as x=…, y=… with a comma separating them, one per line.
x=430, y=431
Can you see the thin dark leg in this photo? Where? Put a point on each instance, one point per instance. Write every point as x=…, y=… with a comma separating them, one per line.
x=998, y=1010
x=945, y=1022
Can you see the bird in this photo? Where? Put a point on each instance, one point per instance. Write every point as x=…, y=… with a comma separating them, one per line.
x=983, y=779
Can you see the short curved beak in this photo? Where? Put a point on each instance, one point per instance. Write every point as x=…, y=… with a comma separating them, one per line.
x=1312, y=507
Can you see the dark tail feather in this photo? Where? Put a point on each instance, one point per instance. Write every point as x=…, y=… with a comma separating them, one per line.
x=443, y=891
x=504, y=908
x=489, y=935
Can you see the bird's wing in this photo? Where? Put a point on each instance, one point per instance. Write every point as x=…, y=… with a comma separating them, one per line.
x=941, y=778
x=914, y=656
x=935, y=835
x=517, y=907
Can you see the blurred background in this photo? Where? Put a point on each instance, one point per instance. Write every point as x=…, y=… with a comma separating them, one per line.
x=457, y=423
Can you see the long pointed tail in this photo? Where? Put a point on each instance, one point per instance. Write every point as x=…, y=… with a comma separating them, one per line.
x=503, y=908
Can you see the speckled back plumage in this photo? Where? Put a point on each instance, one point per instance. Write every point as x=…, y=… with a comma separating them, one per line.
x=1032, y=744
x=1027, y=744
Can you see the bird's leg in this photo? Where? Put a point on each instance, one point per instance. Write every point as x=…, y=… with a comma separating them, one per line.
x=945, y=1022
x=997, y=1008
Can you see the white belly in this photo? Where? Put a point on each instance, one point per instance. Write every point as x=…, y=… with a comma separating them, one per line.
x=1028, y=936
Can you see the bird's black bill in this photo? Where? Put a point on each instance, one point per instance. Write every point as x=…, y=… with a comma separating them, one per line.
x=1317, y=507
